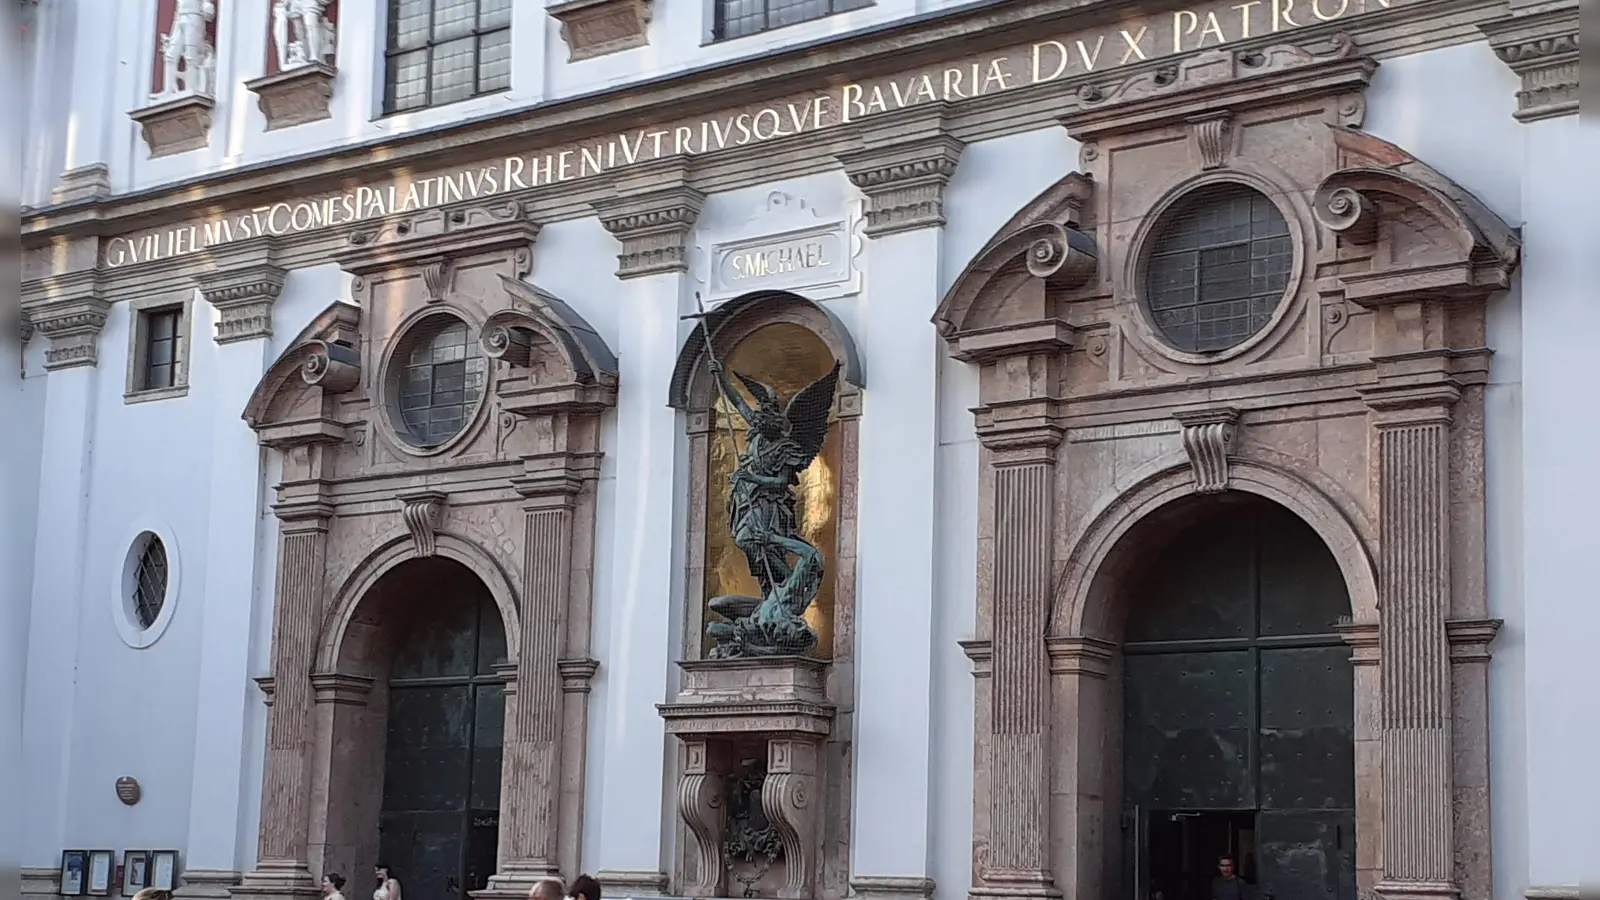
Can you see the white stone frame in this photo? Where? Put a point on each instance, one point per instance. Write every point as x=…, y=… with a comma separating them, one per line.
x=139, y=312
x=122, y=612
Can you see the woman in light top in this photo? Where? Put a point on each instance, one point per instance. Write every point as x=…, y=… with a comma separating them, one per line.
x=332, y=884
x=388, y=885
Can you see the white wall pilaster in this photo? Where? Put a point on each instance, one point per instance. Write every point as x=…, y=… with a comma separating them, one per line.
x=903, y=170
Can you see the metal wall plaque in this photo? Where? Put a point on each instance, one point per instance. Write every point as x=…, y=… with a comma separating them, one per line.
x=128, y=790
x=792, y=261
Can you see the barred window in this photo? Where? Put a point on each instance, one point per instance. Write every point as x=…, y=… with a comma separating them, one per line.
x=740, y=18
x=1219, y=268
x=442, y=51
x=150, y=582
x=440, y=379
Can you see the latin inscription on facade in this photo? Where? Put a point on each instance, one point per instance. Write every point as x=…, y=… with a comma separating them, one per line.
x=1044, y=61
x=806, y=259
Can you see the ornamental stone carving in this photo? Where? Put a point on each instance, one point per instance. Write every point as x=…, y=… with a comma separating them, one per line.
x=423, y=511
x=1542, y=48
x=301, y=49
x=243, y=284
x=302, y=33
x=1208, y=436
x=905, y=163
x=653, y=225
x=70, y=310
x=188, y=52
x=593, y=28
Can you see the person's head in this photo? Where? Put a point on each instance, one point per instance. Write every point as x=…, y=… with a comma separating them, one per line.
x=1227, y=866
x=332, y=882
x=547, y=889
x=382, y=872
x=153, y=894
x=584, y=888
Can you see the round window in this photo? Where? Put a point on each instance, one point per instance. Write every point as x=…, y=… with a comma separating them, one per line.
x=438, y=379
x=149, y=582
x=1218, y=268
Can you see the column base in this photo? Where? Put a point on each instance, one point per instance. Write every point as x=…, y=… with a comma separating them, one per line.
x=892, y=887
x=620, y=884
x=1009, y=884
x=278, y=880
x=207, y=883
x=1417, y=890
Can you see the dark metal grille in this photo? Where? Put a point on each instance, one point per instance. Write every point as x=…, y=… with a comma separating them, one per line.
x=1219, y=268
x=740, y=18
x=441, y=381
x=161, y=348
x=150, y=582
x=441, y=51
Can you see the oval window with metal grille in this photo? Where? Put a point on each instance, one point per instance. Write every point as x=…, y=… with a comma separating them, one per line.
x=1218, y=268
x=150, y=581
x=438, y=378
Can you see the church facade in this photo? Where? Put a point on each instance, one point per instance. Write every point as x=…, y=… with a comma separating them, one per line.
x=1178, y=404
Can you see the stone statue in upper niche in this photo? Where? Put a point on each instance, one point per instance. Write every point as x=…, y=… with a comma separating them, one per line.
x=301, y=32
x=188, y=44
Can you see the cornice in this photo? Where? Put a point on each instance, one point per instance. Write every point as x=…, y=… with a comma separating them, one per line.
x=1541, y=47
x=70, y=310
x=935, y=39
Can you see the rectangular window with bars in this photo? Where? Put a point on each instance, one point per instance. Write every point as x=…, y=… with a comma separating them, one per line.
x=741, y=18
x=442, y=51
x=161, y=331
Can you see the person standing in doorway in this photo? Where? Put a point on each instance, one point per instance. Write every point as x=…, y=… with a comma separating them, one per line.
x=388, y=884
x=1228, y=885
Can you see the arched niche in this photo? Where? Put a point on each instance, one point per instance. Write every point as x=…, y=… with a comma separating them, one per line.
x=785, y=341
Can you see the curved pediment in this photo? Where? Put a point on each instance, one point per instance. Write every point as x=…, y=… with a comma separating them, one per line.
x=1042, y=245
x=324, y=359
x=560, y=357
x=1427, y=235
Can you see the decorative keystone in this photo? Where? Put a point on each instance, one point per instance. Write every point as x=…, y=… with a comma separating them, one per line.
x=423, y=511
x=1208, y=439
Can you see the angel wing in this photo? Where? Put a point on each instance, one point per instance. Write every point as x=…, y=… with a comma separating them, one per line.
x=808, y=416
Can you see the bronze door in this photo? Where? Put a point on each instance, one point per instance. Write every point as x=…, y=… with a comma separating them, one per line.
x=441, y=785
x=1238, y=705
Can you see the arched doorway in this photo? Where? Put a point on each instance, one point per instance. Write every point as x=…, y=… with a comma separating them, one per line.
x=439, y=818
x=1238, y=705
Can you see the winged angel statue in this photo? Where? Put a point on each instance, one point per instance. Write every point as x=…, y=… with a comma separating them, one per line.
x=781, y=443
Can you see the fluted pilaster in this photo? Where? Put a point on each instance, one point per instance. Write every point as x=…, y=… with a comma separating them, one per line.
x=1413, y=429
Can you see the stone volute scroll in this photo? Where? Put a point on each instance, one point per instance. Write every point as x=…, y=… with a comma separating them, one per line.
x=1208, y=436
x=183, y=83
x=423, y=512
x=301, y=45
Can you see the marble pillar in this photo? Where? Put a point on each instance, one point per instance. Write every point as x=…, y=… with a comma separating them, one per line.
x=652, y=216
x=902, y=170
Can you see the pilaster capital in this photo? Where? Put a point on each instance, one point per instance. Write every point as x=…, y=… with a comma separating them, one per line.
x=576, y=674
x=1080, y=656
x=1541, y=46
x=1470, y=638
x=336, y=687
x=1020, y=433
x=243, y=284
x=304, y=514
x=556, y=476
x=653, y=222
x=1405, y=405
x=69, y=309
x=905, y=162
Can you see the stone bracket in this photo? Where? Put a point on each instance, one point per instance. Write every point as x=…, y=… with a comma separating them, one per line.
x=593, y=28
x=903, y=168
x=1208, y=437
x=1542, y=48
x=654, y=229
x=243, y=285
x=70, y=310
x=176, y=126
x=295, y=97
x=423, y=510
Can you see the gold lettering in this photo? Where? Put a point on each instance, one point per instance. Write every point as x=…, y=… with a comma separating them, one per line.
x=564, y=165
x=590, y=164
x=1316, y=10
x=1212, y=27
x=514, y=166
x=1038, y=58
x=952, y=84
x=819, y=107
x=117, y=252
x=877, y=103
x=412, y=200
x=1090, y=59
x=997, y=74
x=1135, y=44
x=777, y=125
x=1280, y=15
x=272, y=218
x=1180, y=30
x=655, y=138
x=1244, y=17
x=630, y=152
x=217, y=232
x=549, y=170
x=296, y=220
x=491, y=178
x=741, y=123
x=683, y=140
x=850, y=99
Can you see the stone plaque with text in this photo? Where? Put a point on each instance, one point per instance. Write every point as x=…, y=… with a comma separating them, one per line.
x=793, y=261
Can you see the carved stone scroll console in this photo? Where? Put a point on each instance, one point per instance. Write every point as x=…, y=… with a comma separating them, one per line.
x=752, y=731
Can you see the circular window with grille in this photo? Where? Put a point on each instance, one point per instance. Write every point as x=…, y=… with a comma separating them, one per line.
x=146, y=587
x=1218, y=267
x=436, y=380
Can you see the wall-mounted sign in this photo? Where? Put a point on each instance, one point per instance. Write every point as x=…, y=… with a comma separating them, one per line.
x=786, y=262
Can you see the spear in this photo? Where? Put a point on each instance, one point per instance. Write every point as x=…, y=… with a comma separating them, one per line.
x=711, y=353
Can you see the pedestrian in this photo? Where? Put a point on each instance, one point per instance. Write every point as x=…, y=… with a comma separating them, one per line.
x=584, y=888
x=1228, y=885
x=547, y=889
x=332, y=884
x=388, y=884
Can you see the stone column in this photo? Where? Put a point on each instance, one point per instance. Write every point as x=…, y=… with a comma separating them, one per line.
x=70, y=311
x=1018, y=521
x=902, y=170
x=242, y=287
x=653, y=215
x=1560, y=325
x=282, y=868
x=1413, y=439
